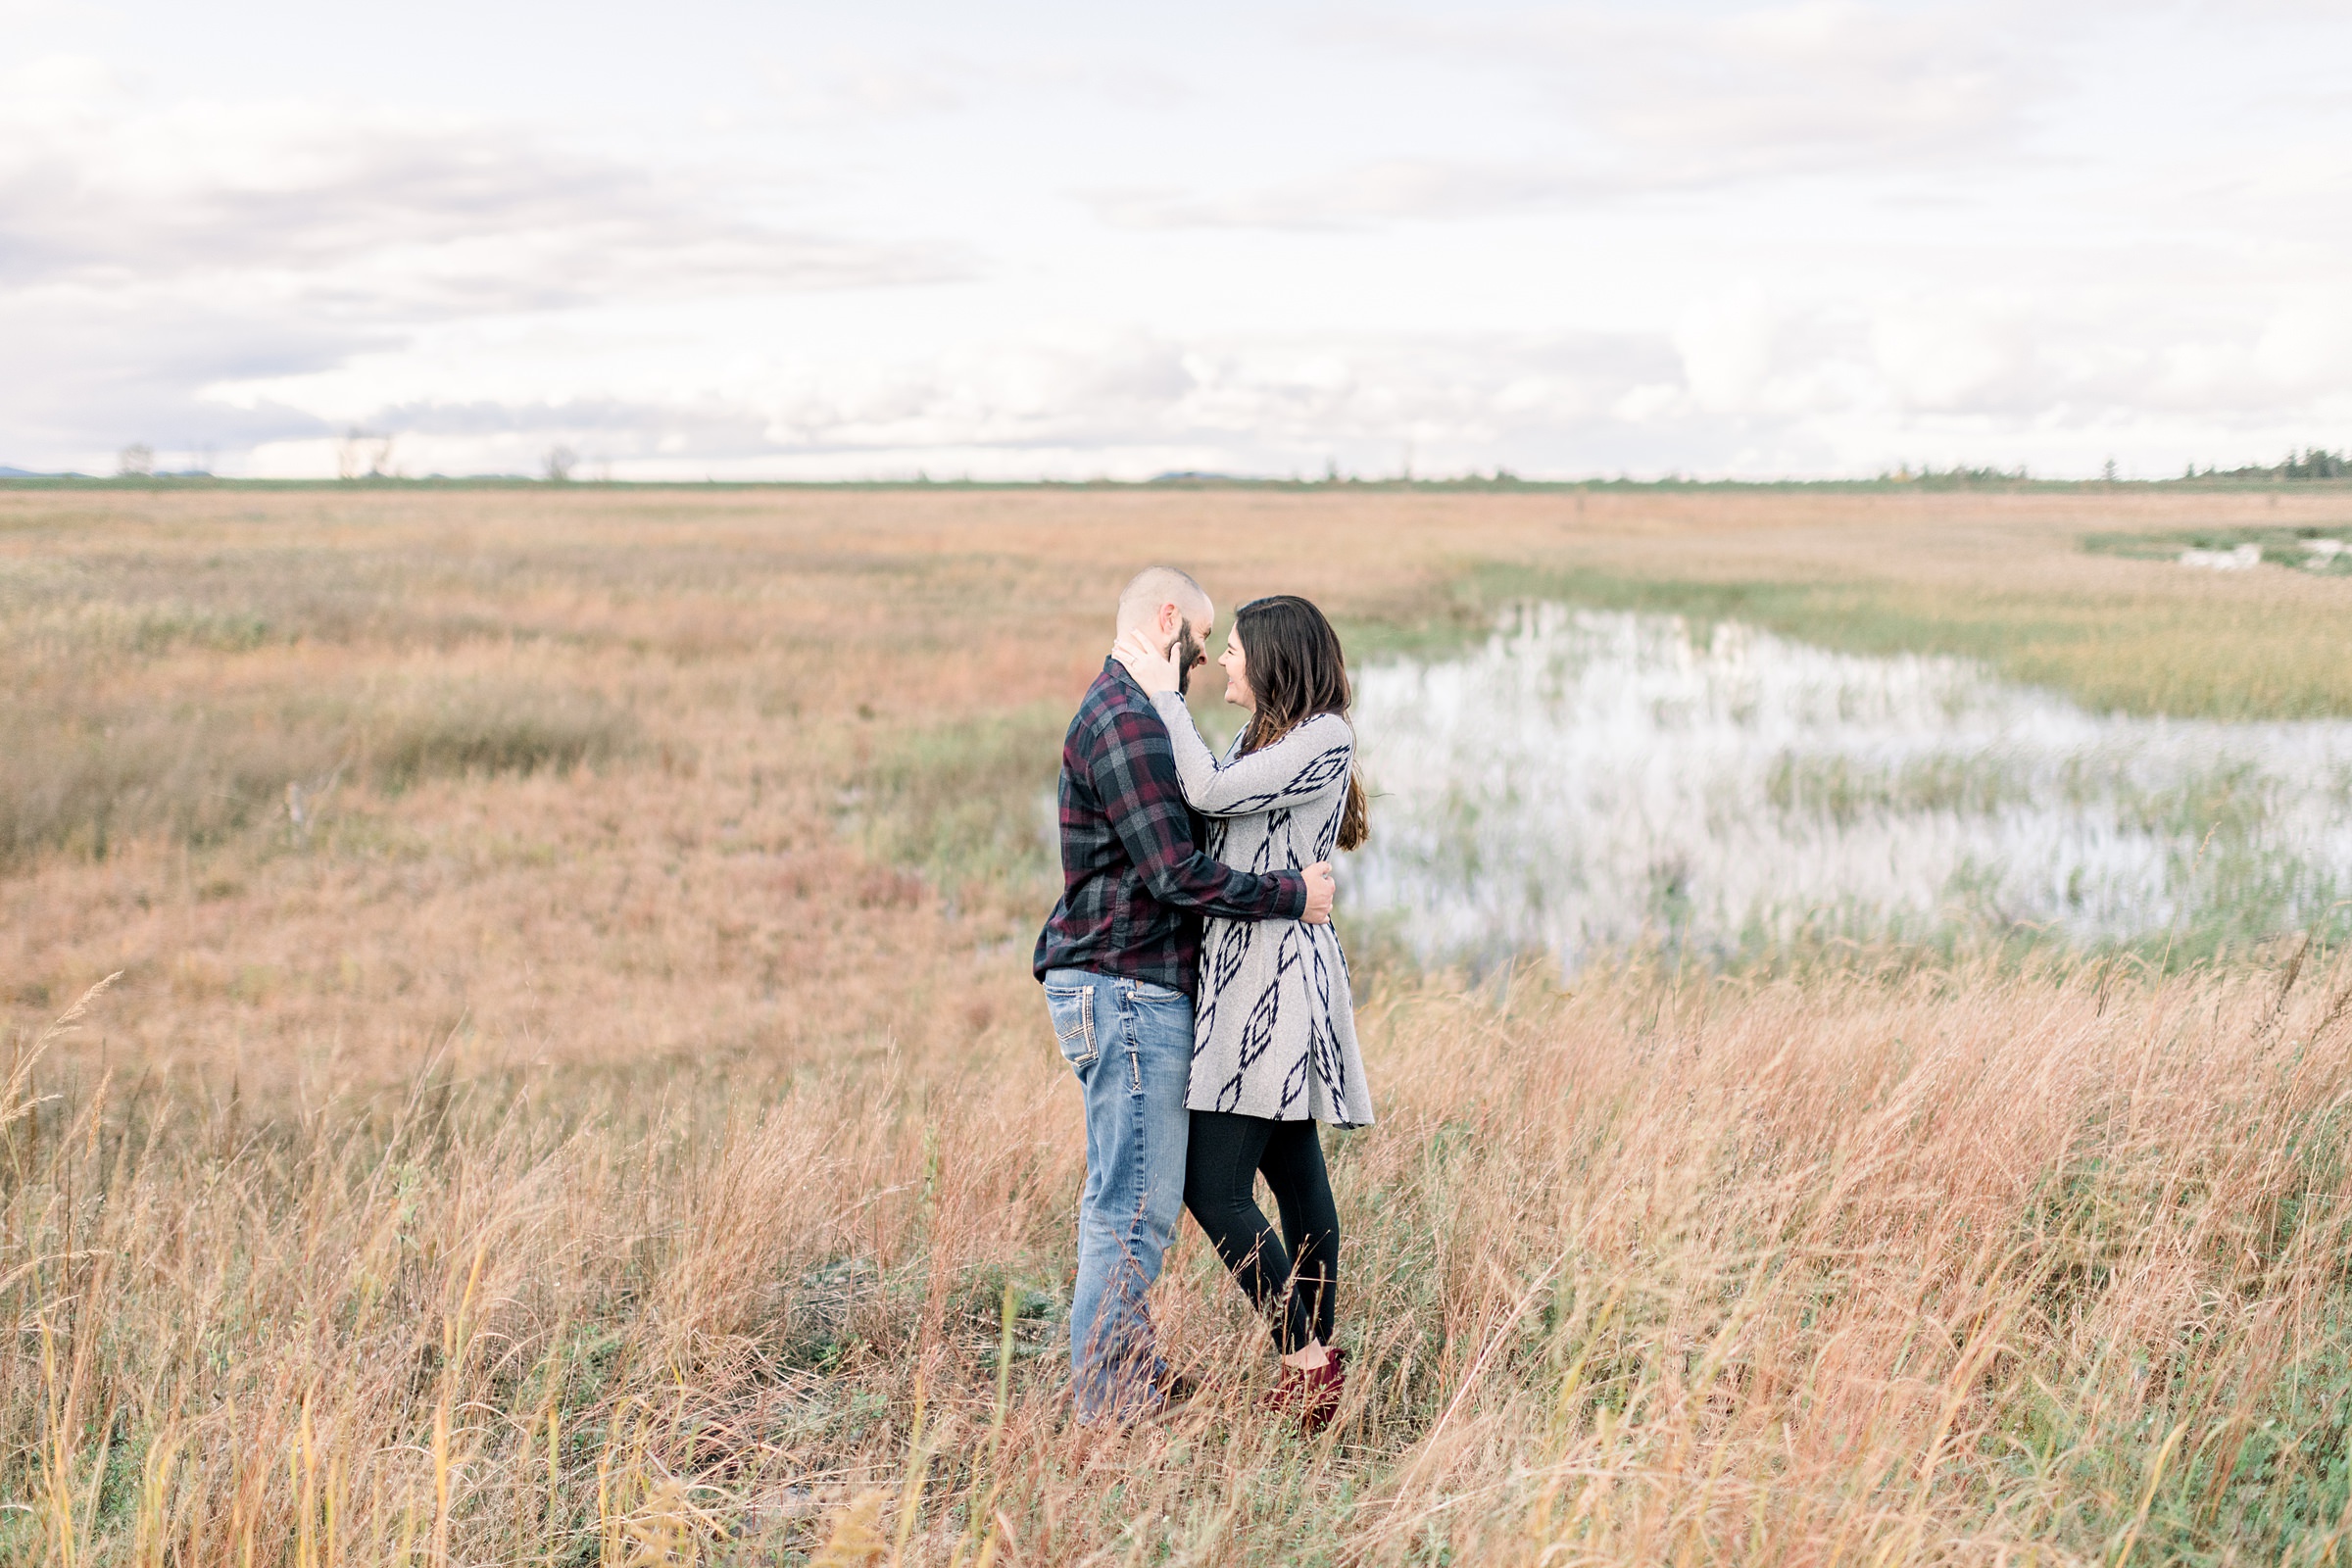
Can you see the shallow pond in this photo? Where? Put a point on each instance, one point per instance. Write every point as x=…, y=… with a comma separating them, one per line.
x=1585, y=781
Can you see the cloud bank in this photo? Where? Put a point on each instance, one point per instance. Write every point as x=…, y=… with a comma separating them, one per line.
x=1811, y=238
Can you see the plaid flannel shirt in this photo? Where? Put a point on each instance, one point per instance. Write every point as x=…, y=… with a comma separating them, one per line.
x=1135, y=883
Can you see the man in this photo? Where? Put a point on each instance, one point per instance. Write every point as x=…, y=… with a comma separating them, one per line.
x=1119, y=957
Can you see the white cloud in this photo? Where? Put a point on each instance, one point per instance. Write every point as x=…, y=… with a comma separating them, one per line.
x=1654, y=101
x=379, y=214
x=1254, y=405
x=857, y=84
x=1698, y=236
x=851, y=86
x=1816, y=84
x=151, y=252
x=1952, y=354
x=1728, y=346
x=1746, y=383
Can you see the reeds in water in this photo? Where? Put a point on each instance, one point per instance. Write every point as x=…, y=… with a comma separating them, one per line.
x=1588, y=781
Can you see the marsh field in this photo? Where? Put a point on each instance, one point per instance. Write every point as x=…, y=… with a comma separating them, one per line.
x=574, y=1093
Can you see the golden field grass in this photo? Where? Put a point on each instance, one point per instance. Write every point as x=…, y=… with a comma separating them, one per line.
x=604, y=1115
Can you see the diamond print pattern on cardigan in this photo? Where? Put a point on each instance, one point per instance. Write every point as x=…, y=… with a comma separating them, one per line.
x=1220, y=969
x=1262, y=1028
x=1312, y=778
x=1330, y=1062
x=1275, y=1028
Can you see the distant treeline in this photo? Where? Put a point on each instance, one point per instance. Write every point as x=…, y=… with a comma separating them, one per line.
x=2315, y=462
x=2312, y=464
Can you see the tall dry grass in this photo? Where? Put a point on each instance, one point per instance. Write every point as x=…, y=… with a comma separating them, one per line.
x=1951, y=1267
x=197, y=773
x=638, y=1150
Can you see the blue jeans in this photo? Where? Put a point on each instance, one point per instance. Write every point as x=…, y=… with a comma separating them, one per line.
x=1130, y=1043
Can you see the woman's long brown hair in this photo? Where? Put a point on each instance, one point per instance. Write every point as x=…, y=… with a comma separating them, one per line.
x=1296, y=671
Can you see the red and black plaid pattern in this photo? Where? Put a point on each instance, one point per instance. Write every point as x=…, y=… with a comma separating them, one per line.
x=1135, y=883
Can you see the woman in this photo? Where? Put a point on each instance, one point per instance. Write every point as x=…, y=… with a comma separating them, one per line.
x=1274, y=1041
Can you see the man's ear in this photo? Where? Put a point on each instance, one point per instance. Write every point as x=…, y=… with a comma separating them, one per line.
x=1170, y=619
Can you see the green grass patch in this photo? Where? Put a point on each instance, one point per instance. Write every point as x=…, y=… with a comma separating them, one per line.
x=481, y=730
x=1845, y=790
x=967, y=801
x=2324, y=551
x=80, y=781
x=2185, y=657
x=968, y=804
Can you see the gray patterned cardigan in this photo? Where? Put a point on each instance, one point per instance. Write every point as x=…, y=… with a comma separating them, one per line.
x=1275, y=1031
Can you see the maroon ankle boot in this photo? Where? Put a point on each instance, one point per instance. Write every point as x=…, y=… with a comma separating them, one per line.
x=1311, y=1397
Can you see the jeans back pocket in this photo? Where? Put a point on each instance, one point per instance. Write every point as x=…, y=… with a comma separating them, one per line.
x=1073, y=1010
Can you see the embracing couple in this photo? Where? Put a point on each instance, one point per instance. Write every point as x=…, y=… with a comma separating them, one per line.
x=1196, y=986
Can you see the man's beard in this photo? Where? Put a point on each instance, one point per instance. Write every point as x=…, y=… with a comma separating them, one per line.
x=1187, y=654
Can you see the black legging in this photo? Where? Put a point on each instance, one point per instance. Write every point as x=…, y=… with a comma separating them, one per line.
x=1220, y=1168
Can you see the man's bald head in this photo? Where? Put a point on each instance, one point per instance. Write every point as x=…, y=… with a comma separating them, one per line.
x=1152, y=591
x=1173, y=610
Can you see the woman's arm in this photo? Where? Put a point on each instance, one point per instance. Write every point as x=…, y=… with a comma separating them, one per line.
x=1308, y=763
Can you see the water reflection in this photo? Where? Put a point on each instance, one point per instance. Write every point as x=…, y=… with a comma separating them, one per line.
x=1588, y=780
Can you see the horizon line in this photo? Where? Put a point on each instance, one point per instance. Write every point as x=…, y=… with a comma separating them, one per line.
x=1947, y=479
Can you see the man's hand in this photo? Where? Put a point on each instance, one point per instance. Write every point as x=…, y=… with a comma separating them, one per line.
x=1320, y=886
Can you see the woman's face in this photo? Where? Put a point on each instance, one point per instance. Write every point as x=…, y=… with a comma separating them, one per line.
x=1237, y=673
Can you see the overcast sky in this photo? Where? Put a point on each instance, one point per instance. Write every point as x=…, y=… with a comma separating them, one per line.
x=759, y=240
